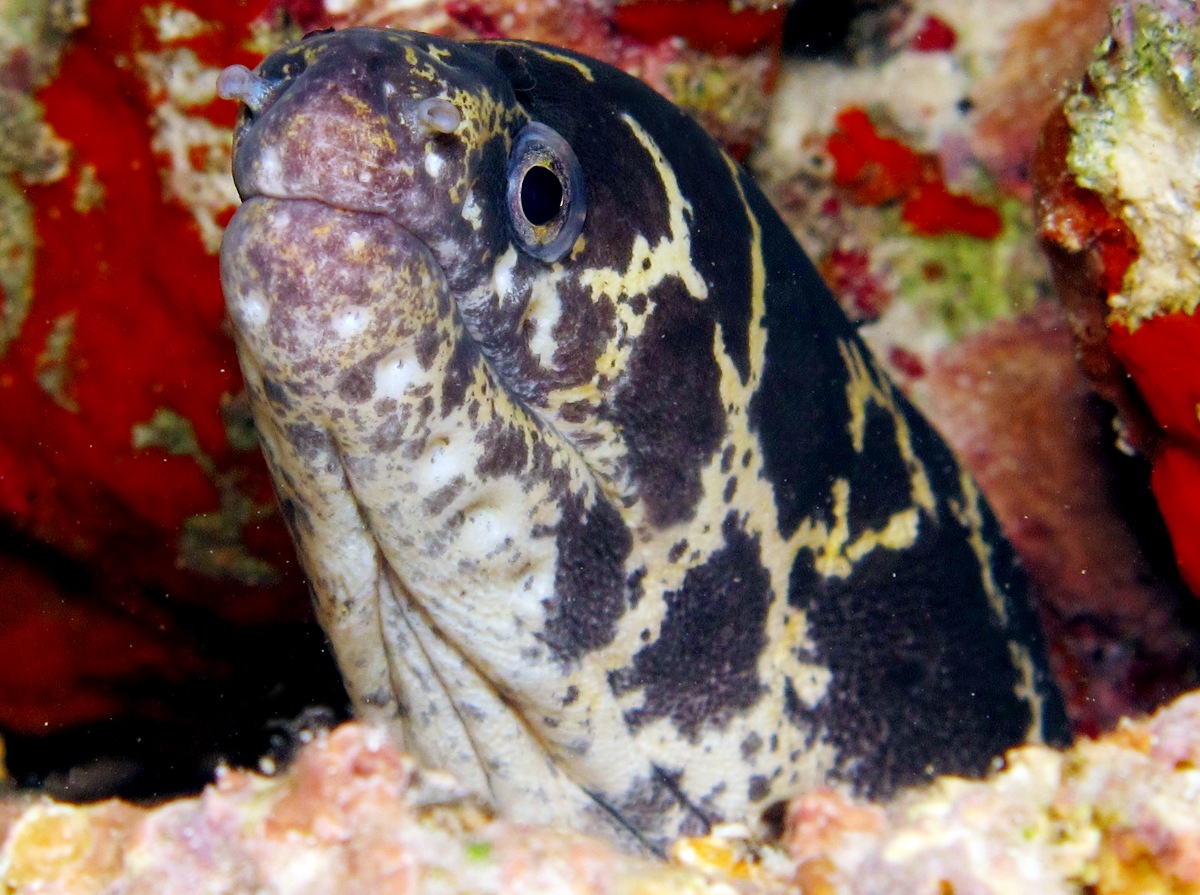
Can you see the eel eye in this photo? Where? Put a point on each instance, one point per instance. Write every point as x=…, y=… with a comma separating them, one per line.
x=545, y=193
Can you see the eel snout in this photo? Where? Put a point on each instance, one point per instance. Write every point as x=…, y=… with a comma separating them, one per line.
x=381, y=122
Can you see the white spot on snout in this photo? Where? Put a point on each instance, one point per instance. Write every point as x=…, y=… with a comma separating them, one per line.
x=443, y=462
x=349, y=324
x=502, y=273
x=470, y=212
x=252, y=310
x=434, y=164
x=487, y=527
x=270, y=171
x=395, y=374
x=389, y=89
x=544, y=311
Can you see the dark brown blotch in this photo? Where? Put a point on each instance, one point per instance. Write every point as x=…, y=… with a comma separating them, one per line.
x=442, y=497
x=296, y=517
x=635, y=585
x=426, y=345
x=357, y=384
x=458, y=375
x=390, y=433
x=751, y=745
x=934, y=688
x=703, y=668
x=668, y=405
x=309, y=440
x=504, y=450
x=575, y=412
x=590, y=594
x=276, y=394
x=727, y=459
x=581, y=333
x=652, y=797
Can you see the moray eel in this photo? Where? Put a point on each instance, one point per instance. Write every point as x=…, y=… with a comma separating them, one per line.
x=605, y=506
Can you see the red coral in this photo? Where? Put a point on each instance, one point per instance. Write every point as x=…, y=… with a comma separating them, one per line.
x=848, y=273
x=1176, y=485
x=872, y=168
x=934, y=36
x=1160, y=356
x=115, y=445
x=142, y=297
x=875, y=170
x=1089, y=250
x=128, y=346
x=48, y=681
x=474, y=18
x=1075, y=218
x=1149, y=373
x=906, y=362
x=932, y=210
x=712, y=26
x=309, y=15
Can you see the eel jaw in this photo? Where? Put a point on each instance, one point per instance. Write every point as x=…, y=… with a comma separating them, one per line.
x=310, y=284
x=342, y=322
x=325, y=302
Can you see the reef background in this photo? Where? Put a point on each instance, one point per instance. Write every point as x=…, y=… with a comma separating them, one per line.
x=153, y=623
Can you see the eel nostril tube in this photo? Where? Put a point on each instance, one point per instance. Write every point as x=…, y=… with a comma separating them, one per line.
x=438, y=115
x=237, y=82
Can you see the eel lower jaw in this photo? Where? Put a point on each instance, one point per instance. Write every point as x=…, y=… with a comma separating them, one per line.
x=332, y=311
x=313, y=286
